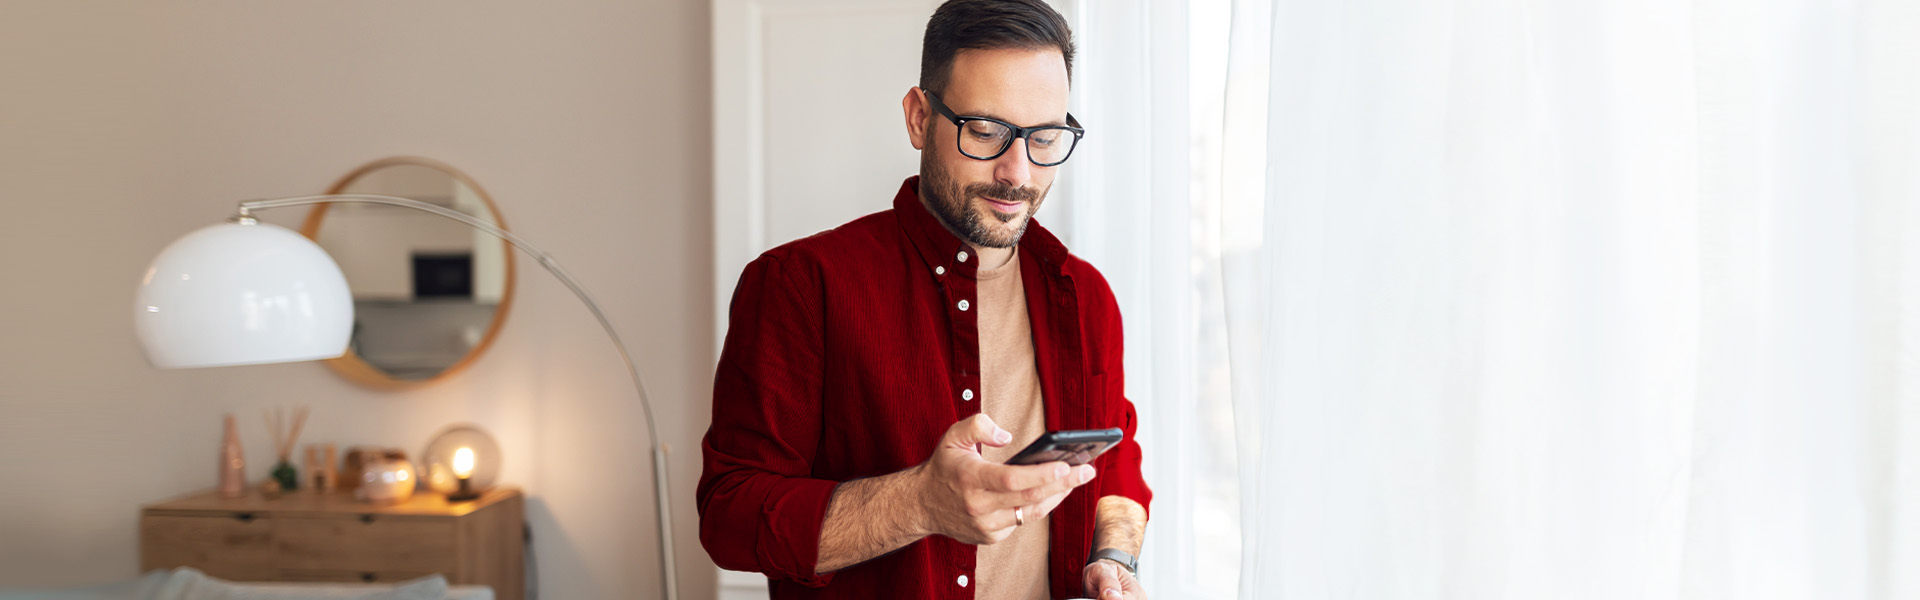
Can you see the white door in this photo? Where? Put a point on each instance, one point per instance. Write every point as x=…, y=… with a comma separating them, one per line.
x=807, y=122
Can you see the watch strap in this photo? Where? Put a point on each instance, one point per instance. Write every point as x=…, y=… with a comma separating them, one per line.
x=1126, y=560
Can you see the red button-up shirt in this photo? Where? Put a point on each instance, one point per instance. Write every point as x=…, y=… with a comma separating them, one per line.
x=847, y=356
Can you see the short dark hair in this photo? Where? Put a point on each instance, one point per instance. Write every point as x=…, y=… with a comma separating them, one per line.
x=989, y=25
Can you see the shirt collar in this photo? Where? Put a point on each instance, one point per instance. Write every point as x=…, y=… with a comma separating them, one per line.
x=942, y=249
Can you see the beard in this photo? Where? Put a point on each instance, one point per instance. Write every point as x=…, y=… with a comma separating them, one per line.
x=960, y=207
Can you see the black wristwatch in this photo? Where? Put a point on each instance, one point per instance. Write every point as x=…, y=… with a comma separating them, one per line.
x=1126, y=560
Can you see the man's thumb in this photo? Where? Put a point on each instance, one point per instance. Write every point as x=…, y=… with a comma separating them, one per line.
x=979, y=429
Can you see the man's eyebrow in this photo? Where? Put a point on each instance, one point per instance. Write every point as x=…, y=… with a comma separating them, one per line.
x=1053, y=123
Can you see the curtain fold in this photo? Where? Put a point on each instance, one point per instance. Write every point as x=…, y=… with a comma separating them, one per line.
x=1515, y=299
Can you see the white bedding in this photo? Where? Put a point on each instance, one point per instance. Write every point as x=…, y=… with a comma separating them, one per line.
x=190, y=584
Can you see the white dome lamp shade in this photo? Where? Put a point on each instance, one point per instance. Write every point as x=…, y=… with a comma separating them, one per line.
x=242, y=293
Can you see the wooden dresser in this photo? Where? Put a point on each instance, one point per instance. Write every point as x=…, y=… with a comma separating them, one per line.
x=332, y=537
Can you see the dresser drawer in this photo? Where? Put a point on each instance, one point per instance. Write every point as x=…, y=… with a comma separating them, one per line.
x=235, y=546
x=366, y=544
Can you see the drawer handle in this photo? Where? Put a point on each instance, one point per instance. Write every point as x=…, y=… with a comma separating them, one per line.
x=245, y=517
x=366, y=519
x=367, y=577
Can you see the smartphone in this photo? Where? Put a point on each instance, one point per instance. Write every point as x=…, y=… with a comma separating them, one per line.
x=1074, y=447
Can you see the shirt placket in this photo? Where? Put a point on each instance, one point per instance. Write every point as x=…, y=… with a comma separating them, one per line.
x=963, y=299
x=960, y=293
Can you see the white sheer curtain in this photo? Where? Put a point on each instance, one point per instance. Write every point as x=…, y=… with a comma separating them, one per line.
x=1131, y=206
x=1518, y=299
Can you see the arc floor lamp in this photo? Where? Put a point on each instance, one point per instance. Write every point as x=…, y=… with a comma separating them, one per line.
x=245, y=292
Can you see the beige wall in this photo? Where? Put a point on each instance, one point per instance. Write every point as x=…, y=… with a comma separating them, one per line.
x=126, y=124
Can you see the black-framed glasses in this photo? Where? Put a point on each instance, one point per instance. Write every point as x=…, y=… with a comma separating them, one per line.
x=983, y=138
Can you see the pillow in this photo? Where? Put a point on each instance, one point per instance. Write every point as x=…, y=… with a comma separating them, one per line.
x=190, y=584
x=132, y=589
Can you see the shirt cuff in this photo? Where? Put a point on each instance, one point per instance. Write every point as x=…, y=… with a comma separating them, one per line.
x=789, y=536
x=1122, y=477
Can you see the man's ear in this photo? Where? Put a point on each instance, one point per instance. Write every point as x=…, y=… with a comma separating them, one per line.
x=917, y=111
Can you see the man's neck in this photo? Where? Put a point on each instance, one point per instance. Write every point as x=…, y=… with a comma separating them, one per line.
x=991, y=258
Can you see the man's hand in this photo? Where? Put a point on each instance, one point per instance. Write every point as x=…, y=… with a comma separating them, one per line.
x=1106, y=580
x=967, y=498
x=956, y=493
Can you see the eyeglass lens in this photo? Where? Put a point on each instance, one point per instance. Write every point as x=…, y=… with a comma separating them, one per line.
x=987, y=139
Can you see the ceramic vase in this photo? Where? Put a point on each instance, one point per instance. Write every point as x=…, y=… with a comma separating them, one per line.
x=233, y=466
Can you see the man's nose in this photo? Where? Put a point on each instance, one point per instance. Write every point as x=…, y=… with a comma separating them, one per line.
x=1013, y=168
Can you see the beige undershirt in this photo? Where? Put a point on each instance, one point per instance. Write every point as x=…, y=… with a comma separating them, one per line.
x=1014, y=568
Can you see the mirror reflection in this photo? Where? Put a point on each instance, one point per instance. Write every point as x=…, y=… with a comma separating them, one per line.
x=429, y=292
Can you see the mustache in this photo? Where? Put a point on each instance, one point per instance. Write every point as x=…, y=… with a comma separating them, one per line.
x=1003, y=192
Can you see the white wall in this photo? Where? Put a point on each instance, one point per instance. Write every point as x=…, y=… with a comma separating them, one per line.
x=126, y=124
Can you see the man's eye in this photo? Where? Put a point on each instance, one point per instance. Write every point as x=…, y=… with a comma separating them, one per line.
x=985, y=133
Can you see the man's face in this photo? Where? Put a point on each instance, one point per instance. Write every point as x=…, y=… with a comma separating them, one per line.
x=988, y=202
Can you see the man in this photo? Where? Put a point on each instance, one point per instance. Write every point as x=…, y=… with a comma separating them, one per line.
x=876, y=377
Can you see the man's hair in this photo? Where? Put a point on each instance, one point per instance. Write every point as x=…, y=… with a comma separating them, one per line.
x=989, y=25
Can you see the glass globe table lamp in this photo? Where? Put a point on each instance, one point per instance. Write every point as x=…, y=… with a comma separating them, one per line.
x=462, y=463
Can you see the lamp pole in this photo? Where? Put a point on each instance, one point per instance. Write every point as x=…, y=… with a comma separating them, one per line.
x=661, y=504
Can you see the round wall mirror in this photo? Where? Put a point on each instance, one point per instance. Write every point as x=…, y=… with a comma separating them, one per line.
x=429, y=293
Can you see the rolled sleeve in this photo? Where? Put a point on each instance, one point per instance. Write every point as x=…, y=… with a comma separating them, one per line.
x=767, y=524
x=760, y=509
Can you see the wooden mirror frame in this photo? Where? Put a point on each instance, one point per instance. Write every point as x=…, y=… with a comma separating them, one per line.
x=357, y=369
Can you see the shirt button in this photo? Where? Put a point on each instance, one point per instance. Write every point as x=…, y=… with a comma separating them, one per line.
x=939, y=270
x=966, y=394
x=963, y=256
x=963, y=581
x=964, y=305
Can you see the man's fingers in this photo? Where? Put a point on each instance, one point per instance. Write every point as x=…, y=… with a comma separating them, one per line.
x=1109, y=580
x=1104, y=580
x=1050, y=495
x=976, y=430
x=1016, y=480
x=1007, y=481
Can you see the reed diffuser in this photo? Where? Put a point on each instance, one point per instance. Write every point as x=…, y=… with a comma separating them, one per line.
x=283, y=444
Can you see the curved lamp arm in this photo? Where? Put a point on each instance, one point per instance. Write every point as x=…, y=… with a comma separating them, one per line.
x=245, y=215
